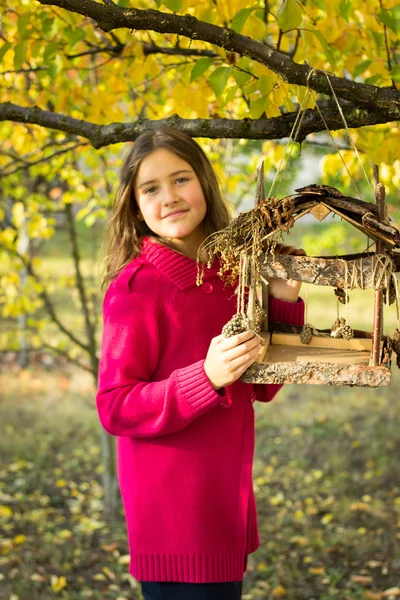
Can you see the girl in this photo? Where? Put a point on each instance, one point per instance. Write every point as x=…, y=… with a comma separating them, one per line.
x=169, y=381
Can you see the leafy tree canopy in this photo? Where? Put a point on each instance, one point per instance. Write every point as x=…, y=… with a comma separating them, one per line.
x=101, y=71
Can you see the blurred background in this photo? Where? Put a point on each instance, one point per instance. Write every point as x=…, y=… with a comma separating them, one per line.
x=326, y=470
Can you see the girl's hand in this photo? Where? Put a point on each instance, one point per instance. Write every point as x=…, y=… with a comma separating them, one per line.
x=228, y=358
x=286, y=289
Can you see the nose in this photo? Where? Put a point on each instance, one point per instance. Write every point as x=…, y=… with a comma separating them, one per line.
x=169, y=195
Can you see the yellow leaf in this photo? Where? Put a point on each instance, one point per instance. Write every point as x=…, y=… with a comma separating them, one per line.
x=65, y=534
x=316, y=570
x=327, y=519
x=278, y=592
x=5, y=511
x=18, y=214
x=58, y=583
x=37, y=577
x=19, y=539
x=393, y=592
x=361, y=579
x=109, y=573
x=61, y=483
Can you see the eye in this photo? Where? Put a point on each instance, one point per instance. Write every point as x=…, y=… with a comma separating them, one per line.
x=150, y=190
x=181, y=179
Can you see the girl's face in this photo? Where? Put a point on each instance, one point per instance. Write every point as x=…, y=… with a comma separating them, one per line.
x=171, y=200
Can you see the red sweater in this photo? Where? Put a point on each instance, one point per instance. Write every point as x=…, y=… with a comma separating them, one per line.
x=185, y=451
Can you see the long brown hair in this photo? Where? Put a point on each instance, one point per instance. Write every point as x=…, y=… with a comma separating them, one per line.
x=125, y=228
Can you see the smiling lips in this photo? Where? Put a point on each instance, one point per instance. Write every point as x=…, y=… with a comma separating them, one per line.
x=175, y=212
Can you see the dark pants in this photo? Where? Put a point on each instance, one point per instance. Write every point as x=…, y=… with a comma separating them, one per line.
x=192, y=591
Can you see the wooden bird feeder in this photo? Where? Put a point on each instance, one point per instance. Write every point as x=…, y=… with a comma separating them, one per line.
x=327, y=357
x=363, y=360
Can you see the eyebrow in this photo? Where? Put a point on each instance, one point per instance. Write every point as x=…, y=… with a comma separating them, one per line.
x=170, y=175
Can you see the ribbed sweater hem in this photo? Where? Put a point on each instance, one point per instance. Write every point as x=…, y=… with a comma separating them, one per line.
x=188, y=568
x=196, y=387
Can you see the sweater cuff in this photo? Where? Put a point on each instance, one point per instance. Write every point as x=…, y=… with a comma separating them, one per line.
x=197, y=389
x=285, y=312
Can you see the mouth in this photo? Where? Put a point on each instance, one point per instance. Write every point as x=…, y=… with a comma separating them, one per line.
x=175, y=213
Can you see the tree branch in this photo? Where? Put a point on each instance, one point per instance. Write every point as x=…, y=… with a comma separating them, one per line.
x=26, y=164
x=27, y=262
x=268, y=129
x=110, y=17
x=147, y=49
x=80, y=284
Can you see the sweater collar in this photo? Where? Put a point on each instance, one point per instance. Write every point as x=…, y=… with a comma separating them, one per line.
x=180, y=269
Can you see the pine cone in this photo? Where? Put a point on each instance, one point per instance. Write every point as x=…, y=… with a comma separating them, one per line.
x=341, y=295
x=347, y=332
x=396, y=345
x=237, y=324
x=306, y=334
x=338, y=323
x=259, y=317
x=389, y=297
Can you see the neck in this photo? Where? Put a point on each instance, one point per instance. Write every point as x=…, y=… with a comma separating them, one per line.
x=188, y=246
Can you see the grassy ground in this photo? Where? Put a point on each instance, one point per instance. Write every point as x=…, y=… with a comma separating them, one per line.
x=326, y=476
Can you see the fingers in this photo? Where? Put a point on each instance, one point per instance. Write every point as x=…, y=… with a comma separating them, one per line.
x=292, y=250
x=235, y=340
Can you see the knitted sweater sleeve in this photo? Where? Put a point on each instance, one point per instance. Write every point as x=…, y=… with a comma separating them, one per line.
x=285, y=312
x=128, y=401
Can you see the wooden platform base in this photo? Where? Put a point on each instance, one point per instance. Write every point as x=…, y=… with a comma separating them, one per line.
x=323, y=362
x=317, y=374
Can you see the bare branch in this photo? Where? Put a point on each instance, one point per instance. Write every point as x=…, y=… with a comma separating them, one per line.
x=260, y=129
x=64, y=353
x=80, y=284
x=147, y=49
x=28, y=264
x=26, y=164
x=110, y=17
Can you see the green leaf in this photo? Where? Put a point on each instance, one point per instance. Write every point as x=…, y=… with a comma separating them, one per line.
x=19, y=55
x=258, y=104
x=242, y=78
x=74, y=35
x=229, y=95
x=390, y=17
x=361, y=67
x=218, y=80
x=55, y=66
x=23, y=22
x=123, y=3
x=244, y=63
x=240, y=18
x=373, y=80
x=5, y=47
x=345, y=8
x=174, y=5
x=200, y=67
x=329, y=51
x=289, y=15
x=395, y=73
x=49, y=27
x=378, y=38
x=50, y=51
x=266, y=84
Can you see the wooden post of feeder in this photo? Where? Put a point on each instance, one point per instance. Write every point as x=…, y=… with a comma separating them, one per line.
x=262, y=292
x=378, y=298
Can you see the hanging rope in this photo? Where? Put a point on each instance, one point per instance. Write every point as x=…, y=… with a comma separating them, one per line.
x=293, y=136
x=348, y=133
